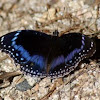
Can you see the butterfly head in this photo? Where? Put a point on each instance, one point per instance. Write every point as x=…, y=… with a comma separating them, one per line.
x=55, y=33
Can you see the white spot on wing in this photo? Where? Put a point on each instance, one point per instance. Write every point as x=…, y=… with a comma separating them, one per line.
x=17, y=34
x=2, y=38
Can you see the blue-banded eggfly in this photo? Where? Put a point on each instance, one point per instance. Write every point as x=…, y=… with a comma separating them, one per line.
x=43, y=55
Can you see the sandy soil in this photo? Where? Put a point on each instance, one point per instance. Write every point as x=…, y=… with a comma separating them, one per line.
x=47, y=16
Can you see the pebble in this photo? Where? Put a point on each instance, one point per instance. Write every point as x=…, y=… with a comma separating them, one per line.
x=23, y=86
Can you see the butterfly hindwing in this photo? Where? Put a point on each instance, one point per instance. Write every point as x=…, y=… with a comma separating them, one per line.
x=73, y=48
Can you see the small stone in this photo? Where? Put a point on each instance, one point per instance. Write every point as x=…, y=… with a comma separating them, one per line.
x=31, y=80
x=51, y=13
x=7, y=6
x=89, y=2
x=3, y=14
x=23, y=86
x=7, y=98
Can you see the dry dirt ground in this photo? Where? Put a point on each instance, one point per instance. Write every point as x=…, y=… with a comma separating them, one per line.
x=47, y=16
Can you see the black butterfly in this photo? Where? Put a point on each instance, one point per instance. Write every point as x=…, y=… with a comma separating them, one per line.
x=43, y=55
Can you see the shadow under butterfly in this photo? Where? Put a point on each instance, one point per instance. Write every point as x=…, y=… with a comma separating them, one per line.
x=39, y=54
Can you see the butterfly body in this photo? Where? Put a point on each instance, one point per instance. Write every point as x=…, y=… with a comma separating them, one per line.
x=43, y=55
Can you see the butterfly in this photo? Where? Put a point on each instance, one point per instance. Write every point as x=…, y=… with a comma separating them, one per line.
x=42, y=55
